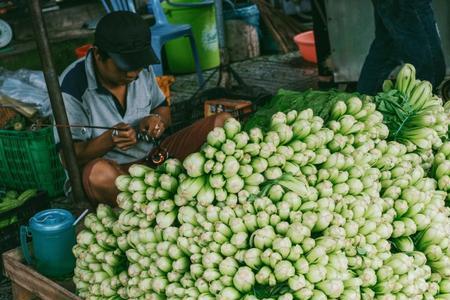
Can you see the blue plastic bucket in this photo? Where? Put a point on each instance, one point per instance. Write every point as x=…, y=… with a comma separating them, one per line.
x=243, y=33
x=249, y=13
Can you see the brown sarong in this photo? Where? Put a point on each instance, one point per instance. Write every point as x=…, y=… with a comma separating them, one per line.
x=179, y=145
x=190, y=139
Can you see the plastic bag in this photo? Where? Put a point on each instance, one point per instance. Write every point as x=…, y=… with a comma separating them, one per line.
x=28, y=87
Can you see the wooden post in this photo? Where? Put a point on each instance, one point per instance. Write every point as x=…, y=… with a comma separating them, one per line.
x=19, y=293
x=56, y=100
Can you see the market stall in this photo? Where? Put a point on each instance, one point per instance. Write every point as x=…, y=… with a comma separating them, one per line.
x=320, y=195
x=313, y=195
x=329, y=201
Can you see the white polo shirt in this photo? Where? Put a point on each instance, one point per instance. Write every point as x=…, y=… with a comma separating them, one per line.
x=87, y=102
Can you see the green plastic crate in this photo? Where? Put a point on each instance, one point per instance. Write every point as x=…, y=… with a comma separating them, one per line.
x=28, y=159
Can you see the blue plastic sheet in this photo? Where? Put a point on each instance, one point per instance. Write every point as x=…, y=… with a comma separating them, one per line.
x=28, y=87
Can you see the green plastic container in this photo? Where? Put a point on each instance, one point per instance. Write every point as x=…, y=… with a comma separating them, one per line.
x=28, y=159
x=203, y=21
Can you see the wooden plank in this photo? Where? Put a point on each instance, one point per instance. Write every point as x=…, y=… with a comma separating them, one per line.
x=29, y=283
x=19, y=293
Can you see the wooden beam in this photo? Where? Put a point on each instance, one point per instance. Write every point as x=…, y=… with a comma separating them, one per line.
x=27, y=283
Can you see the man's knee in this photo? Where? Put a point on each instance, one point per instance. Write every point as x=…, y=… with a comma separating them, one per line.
x=221, y=118
x=102, y=172
x=99, y=178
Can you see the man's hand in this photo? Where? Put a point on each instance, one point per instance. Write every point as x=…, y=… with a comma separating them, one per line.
x=123, y=139
x=153, y=125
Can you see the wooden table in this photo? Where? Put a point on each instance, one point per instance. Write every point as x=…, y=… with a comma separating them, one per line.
x=27, y=284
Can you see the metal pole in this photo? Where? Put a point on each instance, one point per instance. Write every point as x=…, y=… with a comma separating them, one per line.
x=54, y=91
x=224, y=76
x=220, y=23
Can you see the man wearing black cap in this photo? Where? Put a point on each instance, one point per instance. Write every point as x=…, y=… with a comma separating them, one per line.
x=114, y=86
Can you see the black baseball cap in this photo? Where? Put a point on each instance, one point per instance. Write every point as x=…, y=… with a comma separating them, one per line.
x=126, y=38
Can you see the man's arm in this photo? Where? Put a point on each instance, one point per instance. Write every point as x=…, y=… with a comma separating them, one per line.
x=85, y=148
x=157, y=122
x=159, y=119
x=164, y=113
x=86, y=151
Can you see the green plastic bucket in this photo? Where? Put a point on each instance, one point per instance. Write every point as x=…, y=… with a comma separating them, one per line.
x=203, y=21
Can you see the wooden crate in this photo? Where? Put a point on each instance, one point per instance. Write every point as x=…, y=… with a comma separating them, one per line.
x=240, y=109
x=27, y=284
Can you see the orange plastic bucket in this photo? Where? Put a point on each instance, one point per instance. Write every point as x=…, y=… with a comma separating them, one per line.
x=306, y=46
x=82, y=50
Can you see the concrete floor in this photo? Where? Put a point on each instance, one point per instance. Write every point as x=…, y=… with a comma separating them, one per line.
x=271, y=73
x=287, y=71
x=268, y=73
